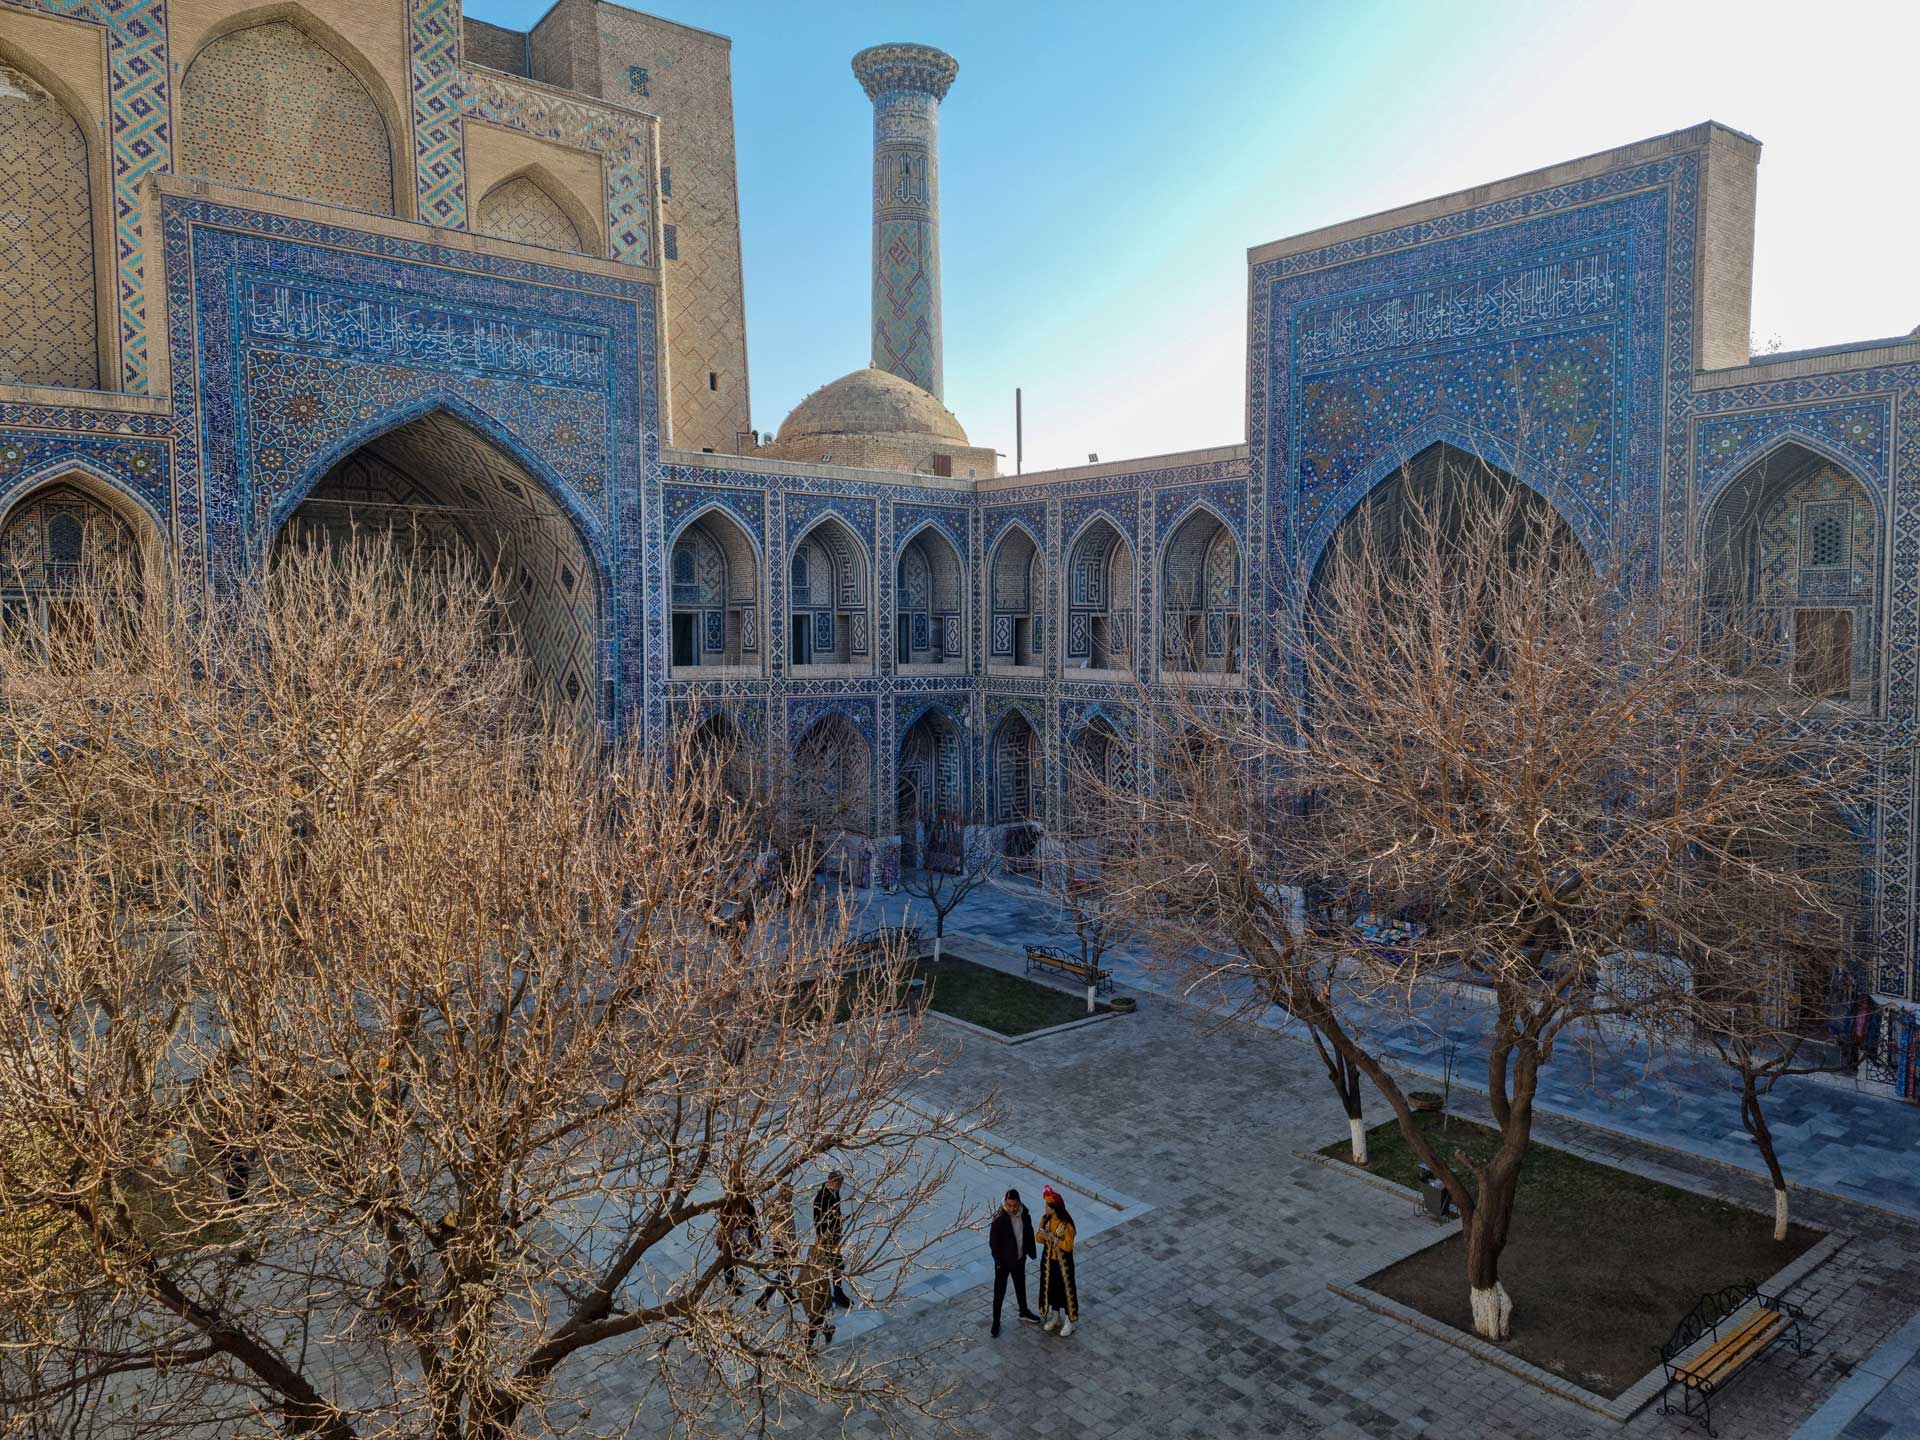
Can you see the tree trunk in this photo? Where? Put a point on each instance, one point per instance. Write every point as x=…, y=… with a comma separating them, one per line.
x=1755, y=1119
x=1091, y=988
x=1492, y=1311
x=1347, y=1080
x=1486, y=1238
x=1513, y=1076
x=936, y=942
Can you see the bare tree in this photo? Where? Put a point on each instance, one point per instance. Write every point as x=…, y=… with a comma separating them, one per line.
x=1080, y=873
x=1534, y=761
x=975, y=864
x=377, y=1051
x=1762, y=1012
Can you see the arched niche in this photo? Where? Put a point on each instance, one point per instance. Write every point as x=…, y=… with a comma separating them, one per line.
x=929, y=603
x=49, y=303
x=1100, y=613
x=1792, y=562
x=1098, y=757
x=534, y=210
x=713, y=581
x=829, y=623
x=284, y=105
x=1016, y=587
x=1201, y=598
x=931, y=790
x=439, y=486
x=1451, y=487
x=1015, y=772
x=720, y=738
x=832, y=780
x=62, y=537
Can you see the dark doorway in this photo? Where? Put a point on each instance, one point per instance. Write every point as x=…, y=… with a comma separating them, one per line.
x=683, y=640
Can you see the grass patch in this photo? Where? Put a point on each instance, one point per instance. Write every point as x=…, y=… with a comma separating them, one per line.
x=1601, y=1264
x=995, y=1000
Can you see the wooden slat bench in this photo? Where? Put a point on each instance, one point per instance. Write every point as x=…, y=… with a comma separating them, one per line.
x=1736, y=1344
x=1052, y=958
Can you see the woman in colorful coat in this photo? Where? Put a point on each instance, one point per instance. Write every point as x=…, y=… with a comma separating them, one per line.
x=1059, y=1296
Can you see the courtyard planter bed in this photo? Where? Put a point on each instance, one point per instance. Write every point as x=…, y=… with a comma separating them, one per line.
x=997, y=1001
x=1601, y=1263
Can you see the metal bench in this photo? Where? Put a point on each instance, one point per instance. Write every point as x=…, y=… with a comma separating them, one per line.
x=870, y=946
x=1736, y=1344
x=1052, y=958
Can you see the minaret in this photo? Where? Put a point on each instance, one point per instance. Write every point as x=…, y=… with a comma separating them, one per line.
x=906, y=84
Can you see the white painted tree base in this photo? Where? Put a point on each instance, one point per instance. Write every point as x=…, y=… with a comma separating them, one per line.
x=1357, y=1128
x=1779, y=1214
x=1492, y=1311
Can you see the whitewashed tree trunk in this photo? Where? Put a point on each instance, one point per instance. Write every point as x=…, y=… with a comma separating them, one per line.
x=937, y=937
x=1090, y=1001
x=1780, y=1214
x=1492, y=1311
x=1357, y=1128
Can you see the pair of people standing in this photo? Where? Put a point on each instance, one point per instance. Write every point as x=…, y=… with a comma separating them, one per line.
x=1011, y=1240
x=829, y=1237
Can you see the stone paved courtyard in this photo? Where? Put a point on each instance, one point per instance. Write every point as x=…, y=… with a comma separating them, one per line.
x=1832, y=1134
x=1209, y=1314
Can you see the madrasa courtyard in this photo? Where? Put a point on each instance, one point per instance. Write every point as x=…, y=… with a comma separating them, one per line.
x=280, y=279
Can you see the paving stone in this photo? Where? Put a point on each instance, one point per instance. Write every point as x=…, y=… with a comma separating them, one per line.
x=1208, y=1315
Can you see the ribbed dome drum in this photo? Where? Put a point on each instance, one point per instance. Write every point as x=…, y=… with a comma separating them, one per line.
x=871, y=402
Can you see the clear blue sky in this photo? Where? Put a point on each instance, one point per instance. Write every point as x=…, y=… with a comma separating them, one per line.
x=1104, y=168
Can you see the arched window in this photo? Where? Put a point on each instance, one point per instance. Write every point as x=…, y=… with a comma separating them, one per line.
x=1100, y=623
x=716, y=596
x=927, y=616
x=1200, y=610
x=48, y=324
x=1016, y=592
x=269, y=108
x=828, y=622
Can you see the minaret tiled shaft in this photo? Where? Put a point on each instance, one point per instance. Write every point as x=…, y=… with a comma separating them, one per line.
x=906, y=84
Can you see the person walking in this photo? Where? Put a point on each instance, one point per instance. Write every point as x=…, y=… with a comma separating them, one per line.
x=830, y=1233
x=816, y=1296
x=738, y=1228
x=783, y=1243
x=1010, y=1238
x=1059, y=1296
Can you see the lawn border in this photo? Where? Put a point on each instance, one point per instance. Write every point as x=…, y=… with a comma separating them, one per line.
x=1629, y=1402
x=971, y=942
x=999, y=1039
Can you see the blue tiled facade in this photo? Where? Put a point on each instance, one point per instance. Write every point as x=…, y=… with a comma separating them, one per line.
x=1552, y=330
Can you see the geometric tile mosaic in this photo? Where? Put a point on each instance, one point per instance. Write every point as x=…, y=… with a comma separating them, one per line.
x=47, y=316
x=268, y=108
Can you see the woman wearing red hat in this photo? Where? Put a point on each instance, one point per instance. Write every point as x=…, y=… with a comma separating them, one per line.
x=1059, y=1297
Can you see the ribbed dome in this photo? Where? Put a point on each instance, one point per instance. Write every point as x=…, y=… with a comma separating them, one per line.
x=871, y=402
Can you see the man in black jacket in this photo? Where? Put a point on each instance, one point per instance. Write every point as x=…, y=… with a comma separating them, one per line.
x=829, y=1232
x=1011, y=1250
